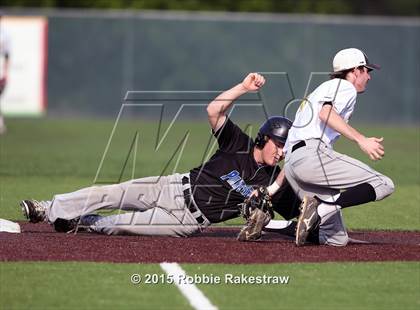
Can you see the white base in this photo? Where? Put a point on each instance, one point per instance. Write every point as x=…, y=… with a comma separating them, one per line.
x=277, y=224
x=9, y=226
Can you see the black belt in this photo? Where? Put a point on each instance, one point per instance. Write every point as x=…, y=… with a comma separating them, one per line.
x=195, y=211
x=298, y=145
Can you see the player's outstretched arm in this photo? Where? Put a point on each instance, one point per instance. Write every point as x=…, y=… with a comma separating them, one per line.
x=274, y=187
x=371, y=146
x=216, y=109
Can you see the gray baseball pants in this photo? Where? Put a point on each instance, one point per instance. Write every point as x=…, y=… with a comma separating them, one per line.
x=316, y=169
x=147, y=206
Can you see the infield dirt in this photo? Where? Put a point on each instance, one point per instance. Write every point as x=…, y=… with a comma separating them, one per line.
x=38, y=242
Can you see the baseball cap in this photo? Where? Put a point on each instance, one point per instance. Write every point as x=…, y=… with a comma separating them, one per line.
x=351, y=58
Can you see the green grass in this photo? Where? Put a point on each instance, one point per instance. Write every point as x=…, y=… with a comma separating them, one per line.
x=40, y=158
x=83, y=286
x=311, y=286
x=318, y=286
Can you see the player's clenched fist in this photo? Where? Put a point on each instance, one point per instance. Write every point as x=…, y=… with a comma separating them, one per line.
x=253, y=82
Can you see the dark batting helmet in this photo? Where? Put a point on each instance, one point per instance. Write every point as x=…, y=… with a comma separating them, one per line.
x=275, y=128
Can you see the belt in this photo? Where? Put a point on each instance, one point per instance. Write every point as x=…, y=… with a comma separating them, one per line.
x=298, y=145
x=189, y=201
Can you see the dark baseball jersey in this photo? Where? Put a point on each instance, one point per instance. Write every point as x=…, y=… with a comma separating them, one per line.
x=230, y=175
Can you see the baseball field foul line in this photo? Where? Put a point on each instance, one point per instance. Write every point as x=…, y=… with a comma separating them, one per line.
x=190, y=291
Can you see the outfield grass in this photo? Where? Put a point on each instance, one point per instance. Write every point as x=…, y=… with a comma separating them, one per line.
x=311, y=286
x=40, y=158
x=319, y=286
x=83, y=286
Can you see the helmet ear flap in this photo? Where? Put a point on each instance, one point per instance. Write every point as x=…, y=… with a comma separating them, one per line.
x=276, y=127
x=260, y=140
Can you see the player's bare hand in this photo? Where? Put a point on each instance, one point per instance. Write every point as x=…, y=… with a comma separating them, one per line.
x=373, y=147
x=253, y=82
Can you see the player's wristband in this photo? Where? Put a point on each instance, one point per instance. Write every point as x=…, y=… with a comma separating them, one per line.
x=273, y=188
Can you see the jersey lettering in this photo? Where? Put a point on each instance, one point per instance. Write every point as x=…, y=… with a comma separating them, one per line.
x=237, y=183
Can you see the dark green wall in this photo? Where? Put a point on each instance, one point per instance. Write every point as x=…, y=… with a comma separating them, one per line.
x=94, y=60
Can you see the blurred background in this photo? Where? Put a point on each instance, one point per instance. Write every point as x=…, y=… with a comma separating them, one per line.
x=79, y=58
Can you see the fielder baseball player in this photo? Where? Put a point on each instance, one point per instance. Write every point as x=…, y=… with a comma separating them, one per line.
x=184, y=204
x=324, y=179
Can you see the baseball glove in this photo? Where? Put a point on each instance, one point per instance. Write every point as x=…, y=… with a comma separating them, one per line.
x=257, y=210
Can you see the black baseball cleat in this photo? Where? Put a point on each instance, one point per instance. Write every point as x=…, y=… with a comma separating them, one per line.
x=308, y=219
x=78, y=224
x=65, y=226
x=34, y=210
